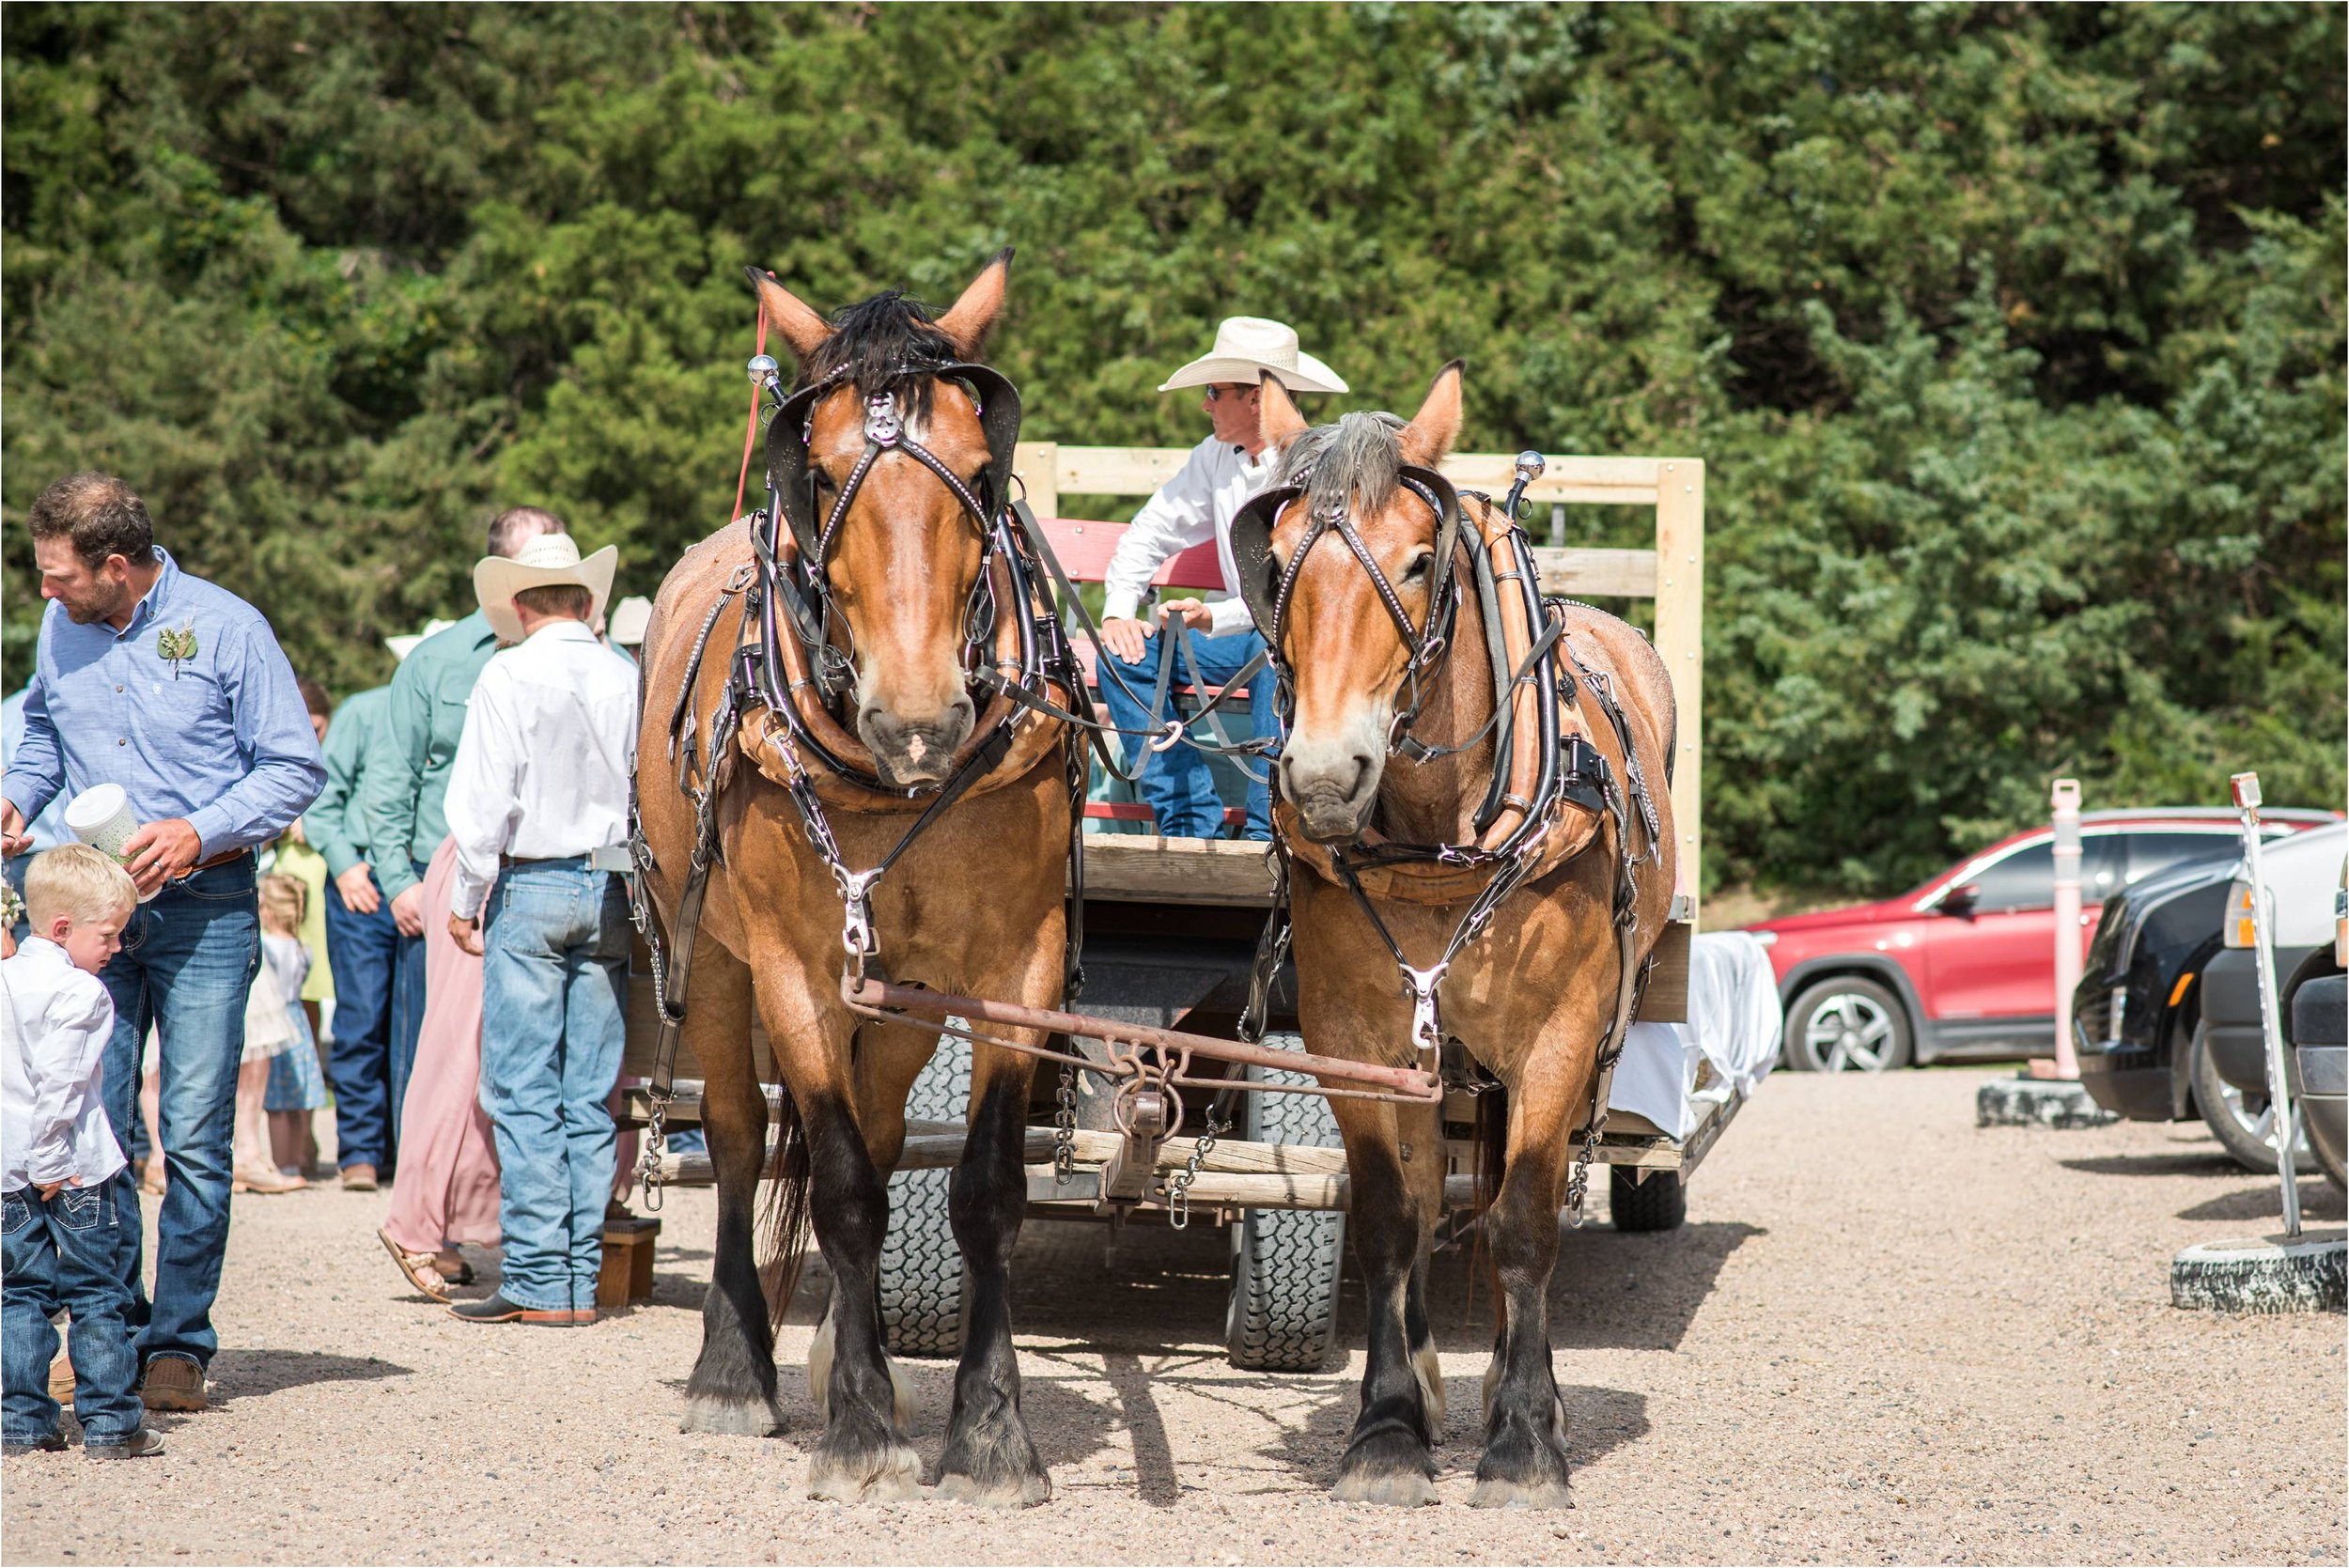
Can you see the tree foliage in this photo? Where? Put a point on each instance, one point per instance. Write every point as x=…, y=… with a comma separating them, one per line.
x=2012, y=334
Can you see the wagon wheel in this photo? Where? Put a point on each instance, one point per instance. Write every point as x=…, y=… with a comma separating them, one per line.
x=1658, y=1203
x=1285, y=1262
x=921, y=1267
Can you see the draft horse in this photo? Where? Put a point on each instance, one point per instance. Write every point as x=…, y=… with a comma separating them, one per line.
x=826, y=739
x=1465, y=800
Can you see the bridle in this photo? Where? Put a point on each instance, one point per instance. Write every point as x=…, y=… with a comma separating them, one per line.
x=804, y=586
x=1267, y=586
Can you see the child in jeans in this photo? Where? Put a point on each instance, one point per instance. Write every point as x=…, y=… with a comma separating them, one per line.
x=63, y=1239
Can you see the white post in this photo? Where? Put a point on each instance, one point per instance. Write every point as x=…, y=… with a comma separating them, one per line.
x=2065, y=798
x=2246, y=787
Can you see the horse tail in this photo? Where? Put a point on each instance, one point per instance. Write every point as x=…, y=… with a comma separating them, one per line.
x=787, y=1216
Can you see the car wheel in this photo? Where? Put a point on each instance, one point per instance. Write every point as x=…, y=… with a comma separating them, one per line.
x=2244, y=1124
x=1847, y=1024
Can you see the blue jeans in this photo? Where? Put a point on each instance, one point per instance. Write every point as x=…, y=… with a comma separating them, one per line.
x=370, y=1079
x=408, y=1000
x=186, y=965
x=554, y=991
x=64, y=1252
x=1177, y=781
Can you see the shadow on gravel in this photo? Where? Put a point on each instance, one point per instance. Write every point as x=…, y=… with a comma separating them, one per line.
x=1610, y=1291
x=236, y=1375
x=2210, y=1162
x=2318, y=1201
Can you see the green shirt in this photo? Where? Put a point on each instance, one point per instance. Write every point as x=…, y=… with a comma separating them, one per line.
x=332, y=824
x=406, y=777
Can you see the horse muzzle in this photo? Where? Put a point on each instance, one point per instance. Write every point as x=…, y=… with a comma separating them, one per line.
x=1332, y=788
x=911, y=753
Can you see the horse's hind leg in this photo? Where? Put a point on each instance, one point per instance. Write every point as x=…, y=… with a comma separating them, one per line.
x=731, y=1390
x=1524, y=1464
x=990, y=1458
x=1388, y=1459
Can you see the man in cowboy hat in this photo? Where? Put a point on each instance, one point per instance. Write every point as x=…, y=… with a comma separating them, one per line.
x=538, y=808
x=398, y=807
x=1223, y=474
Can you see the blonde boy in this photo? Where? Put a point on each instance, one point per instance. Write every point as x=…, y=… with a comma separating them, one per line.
x=64, y=1230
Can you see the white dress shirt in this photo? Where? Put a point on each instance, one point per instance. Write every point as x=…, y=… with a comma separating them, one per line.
x=55, y=1023
x=542, y=768
x=1196, y=504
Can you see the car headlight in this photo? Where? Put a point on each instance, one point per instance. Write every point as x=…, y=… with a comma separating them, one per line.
x=2237, y=930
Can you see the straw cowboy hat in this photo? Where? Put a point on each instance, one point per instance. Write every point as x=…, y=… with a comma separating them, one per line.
x=1246, y=346
x=405, y=642
x=630, y=617
x=544, y=561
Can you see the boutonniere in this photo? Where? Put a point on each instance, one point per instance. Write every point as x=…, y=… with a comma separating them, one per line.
x=175, y=647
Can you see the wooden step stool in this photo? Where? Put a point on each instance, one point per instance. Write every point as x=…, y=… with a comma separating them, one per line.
x=626, y=1275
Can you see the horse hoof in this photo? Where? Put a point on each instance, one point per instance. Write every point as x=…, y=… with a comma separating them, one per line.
x=1026, y=1491
x=732, y=1417
x=894, y=1475
x=1518, y=1493
x=1392, y=1489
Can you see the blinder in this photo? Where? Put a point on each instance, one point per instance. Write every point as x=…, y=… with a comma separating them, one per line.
x=1263, y=584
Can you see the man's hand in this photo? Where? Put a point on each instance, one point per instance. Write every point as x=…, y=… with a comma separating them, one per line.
x=49, y=1189
x=357, y=886
x=466, y=932
x=13, y=838
x=159, y=852
x=1191, y=610
x=1124, y=637
x=408, y=911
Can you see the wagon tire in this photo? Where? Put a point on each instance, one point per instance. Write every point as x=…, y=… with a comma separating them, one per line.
x=1871, y=1019
x=921, y=1267
x=1658, y=1203
x=1286, y=1264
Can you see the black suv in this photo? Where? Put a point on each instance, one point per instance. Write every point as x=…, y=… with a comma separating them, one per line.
x=2136, y=1015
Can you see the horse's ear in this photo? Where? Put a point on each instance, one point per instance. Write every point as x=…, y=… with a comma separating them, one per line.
x=966, y=324
x=1283, y=423
x=799, y=323
x=1428, y=438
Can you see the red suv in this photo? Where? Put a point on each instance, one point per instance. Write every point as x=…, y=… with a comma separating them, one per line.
x=1964, y=967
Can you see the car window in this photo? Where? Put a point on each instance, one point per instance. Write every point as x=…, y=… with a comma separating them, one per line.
x=2159, y=851
x=2025, y=879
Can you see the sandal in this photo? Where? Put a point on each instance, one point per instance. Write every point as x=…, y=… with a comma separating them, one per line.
x=420, y=1267
x=261, y=1178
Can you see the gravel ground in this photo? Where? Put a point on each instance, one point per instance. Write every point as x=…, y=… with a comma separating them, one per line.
x=1884, y=1335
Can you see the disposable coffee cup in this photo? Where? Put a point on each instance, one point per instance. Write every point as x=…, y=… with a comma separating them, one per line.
x=100, y=816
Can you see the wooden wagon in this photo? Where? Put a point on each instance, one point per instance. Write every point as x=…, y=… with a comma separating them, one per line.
x=1171, y=931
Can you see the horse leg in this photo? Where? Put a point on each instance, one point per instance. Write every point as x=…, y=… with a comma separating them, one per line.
x=1389, y=1458
x=732, y=1388
x=1524, y=1465
x=990, y=1458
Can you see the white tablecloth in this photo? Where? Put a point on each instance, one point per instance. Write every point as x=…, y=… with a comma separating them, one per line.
x=1735, y=1020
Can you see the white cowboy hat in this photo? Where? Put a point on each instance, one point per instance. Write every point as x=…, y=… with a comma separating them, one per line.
x=630, y=617
x=405, y=644
x=544, y=561
x=1246, y=345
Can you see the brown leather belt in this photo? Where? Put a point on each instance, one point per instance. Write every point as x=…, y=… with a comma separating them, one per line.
x=223, y=858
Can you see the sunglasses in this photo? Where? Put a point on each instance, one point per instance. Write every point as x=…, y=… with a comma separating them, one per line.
x=1215, y=393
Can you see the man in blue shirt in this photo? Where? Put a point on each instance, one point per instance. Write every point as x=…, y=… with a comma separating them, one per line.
x=174, y=690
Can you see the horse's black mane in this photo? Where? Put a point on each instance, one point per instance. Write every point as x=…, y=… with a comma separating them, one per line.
x=886, y=344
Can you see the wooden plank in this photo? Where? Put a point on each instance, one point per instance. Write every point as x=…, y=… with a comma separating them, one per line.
x=1152, y=868
x=643, y=1025
x=1680, y=638
x=1597, y=573
x=1117, y=470
x=1140, y=470
x=1036, y=465
x=1666, y=998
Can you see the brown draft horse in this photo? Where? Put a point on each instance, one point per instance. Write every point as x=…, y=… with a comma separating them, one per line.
x=974, y=906
x=1530, y=1001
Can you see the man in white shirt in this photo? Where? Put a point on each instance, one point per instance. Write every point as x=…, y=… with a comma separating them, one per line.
x=1222, y=474
x=538, y=808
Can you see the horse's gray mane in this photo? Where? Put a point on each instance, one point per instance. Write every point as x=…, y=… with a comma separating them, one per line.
x=1355, y=458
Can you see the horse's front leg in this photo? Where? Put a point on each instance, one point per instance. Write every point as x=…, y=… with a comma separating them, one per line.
x=990, y=1458
x=1395, y=1200
x=732, y=1388
x=1524, y=1465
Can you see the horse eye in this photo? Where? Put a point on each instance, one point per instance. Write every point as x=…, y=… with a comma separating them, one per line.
x=824, y=481
x=1416, y=570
